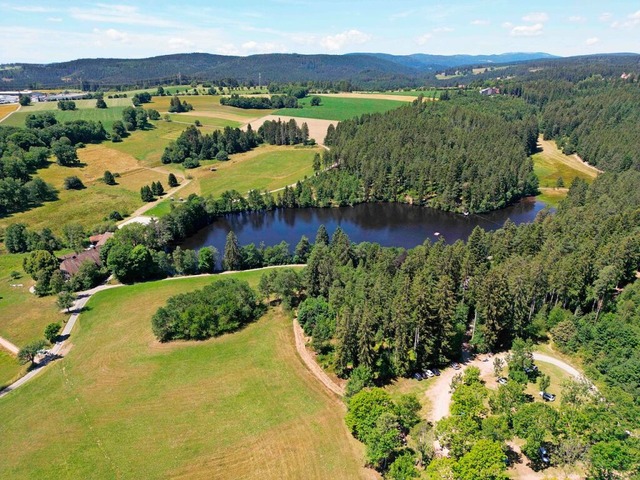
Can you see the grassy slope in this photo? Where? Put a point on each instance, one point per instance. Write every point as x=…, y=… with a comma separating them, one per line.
x=122, y=405
x=23, y=315
x=264, y=168
x=335, y=108
x=550, y=164
x=9, y=369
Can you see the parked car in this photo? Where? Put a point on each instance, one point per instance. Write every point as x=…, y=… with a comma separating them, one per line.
x=417, y=376
x=455, y=365
x=502, y=381
x=436, y=372
x=428, y=373
x=548, y=397
x=544, y=455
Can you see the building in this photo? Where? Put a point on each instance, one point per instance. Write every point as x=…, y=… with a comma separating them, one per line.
x=71, y=263
x=490, y=91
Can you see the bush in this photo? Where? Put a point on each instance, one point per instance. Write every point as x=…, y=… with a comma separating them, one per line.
x=222, y=155
x=108, y=178
x=221, y=307
x=73, y=183
x=191, y=162
x=51, y=332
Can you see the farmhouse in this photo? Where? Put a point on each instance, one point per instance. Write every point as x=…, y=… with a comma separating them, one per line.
x=71, y=263
x=490, y=91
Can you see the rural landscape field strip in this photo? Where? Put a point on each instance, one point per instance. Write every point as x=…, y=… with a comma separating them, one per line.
x=235, y=401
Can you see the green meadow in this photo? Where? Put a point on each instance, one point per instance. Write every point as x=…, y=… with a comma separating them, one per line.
x=339, y=108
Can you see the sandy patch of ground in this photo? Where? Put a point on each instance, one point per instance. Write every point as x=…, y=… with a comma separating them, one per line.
x=317, y=128
x=373, y=96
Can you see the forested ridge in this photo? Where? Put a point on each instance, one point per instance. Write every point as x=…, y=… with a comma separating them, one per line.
x=467, y=154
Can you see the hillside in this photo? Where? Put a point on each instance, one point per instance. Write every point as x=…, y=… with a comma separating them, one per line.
x=359, y=68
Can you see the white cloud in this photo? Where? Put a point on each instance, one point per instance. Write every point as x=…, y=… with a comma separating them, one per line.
x=480, y=22
x=122, y=14
x=536, y=17
x=400, y=15
x=115, y=35
x=605, y=17
x=592, y=41
x=443, y=29
x=577, y=19
x=421, y=40
x=54, y=19
x=30, y=8
x=341, y=40
x=507, y=25
x=527, y=30
x=251, y=47
x=633, y=20
x=179, y=44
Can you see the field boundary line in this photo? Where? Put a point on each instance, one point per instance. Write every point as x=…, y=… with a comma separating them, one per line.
x=9, y=346
x=10, y=113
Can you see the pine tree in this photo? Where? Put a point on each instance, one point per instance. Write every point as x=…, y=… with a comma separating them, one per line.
x=172, y=180
x=322, y=237
x=316, y=163
x=232, y=259
x=108, y=178
x=146, y=194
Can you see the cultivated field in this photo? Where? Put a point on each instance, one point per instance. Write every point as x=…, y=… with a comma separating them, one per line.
x=550, y=164
x=208, y=106
x=120, y=405
x=340, y=107
x=6, y=109
x=86, y=110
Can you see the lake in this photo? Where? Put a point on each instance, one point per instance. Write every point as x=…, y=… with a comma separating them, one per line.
x=389, y=224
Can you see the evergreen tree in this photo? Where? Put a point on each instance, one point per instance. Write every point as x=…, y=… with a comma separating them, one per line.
x=108, y=178
x=322, y=237
x=302, y=251
x=172, y=180
x=146, y=194
x=232, y=258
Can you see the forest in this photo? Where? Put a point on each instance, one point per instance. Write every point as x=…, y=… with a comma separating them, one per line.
x=466, y=154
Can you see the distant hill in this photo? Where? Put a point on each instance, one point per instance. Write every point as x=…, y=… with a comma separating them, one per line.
x=425, y=62
x=359, y=68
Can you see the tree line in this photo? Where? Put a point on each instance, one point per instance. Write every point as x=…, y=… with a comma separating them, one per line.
x=260, y=103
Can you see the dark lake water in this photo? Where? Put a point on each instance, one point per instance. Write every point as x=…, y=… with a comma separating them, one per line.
x=389, y=224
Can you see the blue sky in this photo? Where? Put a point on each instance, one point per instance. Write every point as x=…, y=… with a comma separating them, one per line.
x=51, y=31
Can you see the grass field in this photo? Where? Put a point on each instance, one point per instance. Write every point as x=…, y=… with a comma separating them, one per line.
x=557, y=376
x=207, y=106
x=120, y=405
x=267, y=167
x=9, y=369
x=429, y=93
x=90, y=205
x=6, y=109
x=24, y=316
x=339, y=108
x=86, y=110
x=550, y=164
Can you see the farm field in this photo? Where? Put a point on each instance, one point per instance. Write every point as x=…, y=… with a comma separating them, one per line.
x=6, y=109
x=90, y=205
x=24, y=315
x=122, y=405
x=429, y=93
x=209, y=106
x=86, y=110
x=550, y=164
x=339, y=107
x=267, y=167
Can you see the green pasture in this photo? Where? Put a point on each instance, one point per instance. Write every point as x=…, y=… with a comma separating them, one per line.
x=122, y=405
x=337, y=108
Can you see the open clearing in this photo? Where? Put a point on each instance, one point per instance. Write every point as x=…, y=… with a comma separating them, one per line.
x=267, y=167
x=7, y=109
x=340, y=107
x=90, y=205
x=550, y=164
x=24, y=316
x=122, y=405
x=208, y=106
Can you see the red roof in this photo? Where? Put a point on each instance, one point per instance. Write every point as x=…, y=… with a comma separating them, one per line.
x=71, y=263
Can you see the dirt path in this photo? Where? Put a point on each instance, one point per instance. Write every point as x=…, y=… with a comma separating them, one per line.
x=373, y=96
x=550, y=148
x=10, y=113
x=540, y=357
x=311, y=363
x=10, y=347
x=148, y=206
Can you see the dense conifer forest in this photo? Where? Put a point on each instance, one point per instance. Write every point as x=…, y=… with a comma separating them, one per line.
x=467, y=154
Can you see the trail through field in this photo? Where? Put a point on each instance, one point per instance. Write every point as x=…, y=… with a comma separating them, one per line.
x=10, y=113
x=311, y=363
x=10, y=347
x=148, y=206
x=540, y=357
x=317, y=128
